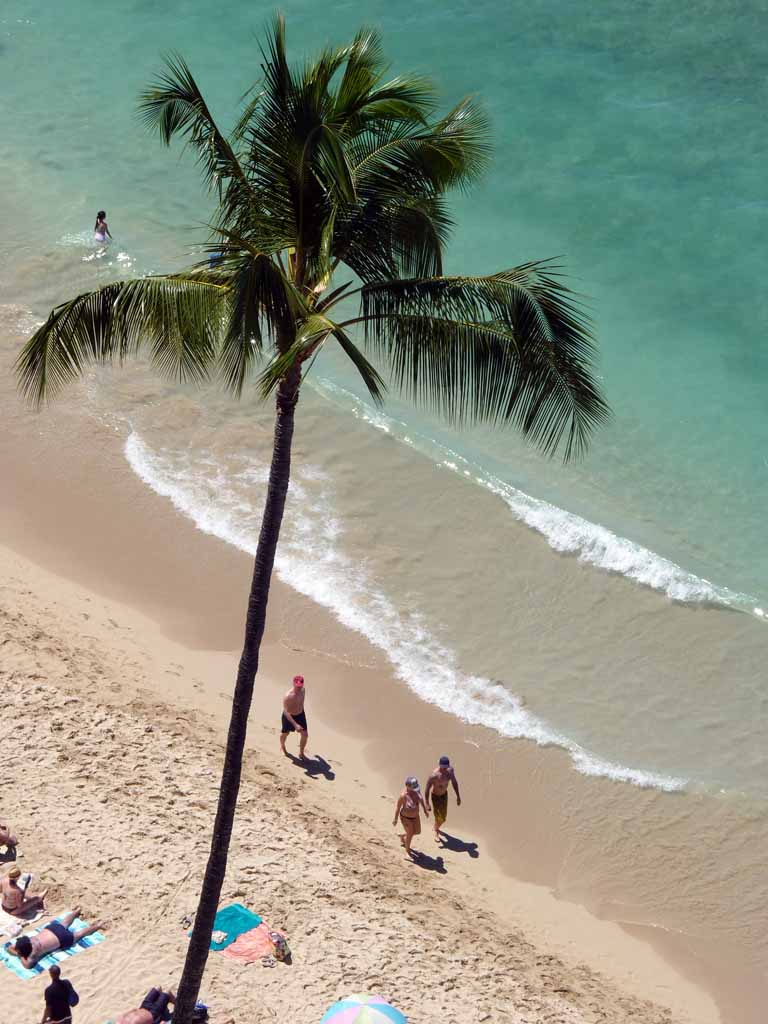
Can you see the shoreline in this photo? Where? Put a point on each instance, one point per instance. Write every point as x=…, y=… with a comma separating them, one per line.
x=107, y=531
x=567, y=941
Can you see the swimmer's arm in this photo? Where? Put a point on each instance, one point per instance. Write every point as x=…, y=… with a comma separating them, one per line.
x=106, y=228
x=430, y=780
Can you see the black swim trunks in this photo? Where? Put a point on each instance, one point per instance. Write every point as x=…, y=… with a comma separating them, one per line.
x=301, y=718
x=156, y=1001
x=62, y=933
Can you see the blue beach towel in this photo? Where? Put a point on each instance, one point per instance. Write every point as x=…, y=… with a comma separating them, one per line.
x=233, y=920
x=14, y=964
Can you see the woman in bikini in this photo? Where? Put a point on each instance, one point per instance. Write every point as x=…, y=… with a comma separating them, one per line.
x=14, y=898
x=101, y=228
x=407, y=809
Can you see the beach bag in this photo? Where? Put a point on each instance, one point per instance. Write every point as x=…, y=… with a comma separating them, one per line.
x=200, y=1014
x=280, y=946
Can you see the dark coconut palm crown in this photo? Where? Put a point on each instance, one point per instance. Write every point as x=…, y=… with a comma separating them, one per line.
x=333, y=173
x=336, y=167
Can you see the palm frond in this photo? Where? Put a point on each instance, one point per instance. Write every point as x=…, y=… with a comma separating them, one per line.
x=174, y=106
x=262, y=303
x=371, y=377
x=397, y=157
x=176, y=318
x=310, y=334
x=514, y=347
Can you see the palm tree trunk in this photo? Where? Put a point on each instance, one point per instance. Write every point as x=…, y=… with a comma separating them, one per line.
x=277, y=489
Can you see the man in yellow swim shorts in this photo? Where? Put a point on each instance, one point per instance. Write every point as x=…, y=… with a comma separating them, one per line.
x=437, y=786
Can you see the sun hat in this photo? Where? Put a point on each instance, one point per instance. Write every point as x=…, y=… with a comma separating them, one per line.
x=14, y=873
x=298, y=680
x=445, y=759
x=412, y=782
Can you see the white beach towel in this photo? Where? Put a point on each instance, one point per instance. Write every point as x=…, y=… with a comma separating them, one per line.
x=11, y=926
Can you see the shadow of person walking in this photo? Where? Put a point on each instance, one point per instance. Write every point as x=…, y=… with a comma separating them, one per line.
x=423, y=860
x=457, y=845
x=314, y=767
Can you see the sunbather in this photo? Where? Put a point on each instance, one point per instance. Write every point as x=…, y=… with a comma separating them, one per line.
x=153, y=1010
x=7, y=838
x=13, y=897
x=55, y=935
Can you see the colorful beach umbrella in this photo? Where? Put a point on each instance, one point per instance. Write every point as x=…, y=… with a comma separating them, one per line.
x=361, y=1009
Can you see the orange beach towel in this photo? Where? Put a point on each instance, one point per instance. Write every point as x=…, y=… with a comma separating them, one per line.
x=250, y=946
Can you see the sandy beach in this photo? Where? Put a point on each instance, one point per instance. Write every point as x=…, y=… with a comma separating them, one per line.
x=105, y=714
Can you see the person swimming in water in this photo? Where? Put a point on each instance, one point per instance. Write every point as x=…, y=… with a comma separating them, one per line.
x=101, y=228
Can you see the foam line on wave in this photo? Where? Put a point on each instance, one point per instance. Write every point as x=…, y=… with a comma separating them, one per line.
x=565, y=531
x=329, y=577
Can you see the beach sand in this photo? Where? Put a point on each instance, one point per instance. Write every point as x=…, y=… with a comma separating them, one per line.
x=118, y=765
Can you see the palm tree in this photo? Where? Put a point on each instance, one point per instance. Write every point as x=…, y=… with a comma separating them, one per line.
x=330, y=191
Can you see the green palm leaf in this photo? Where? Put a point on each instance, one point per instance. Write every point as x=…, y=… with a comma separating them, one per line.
x=176, y=319
x=514, y=347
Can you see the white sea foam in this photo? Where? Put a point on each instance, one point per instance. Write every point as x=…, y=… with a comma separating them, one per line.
x=564, y=531
x=217, y=503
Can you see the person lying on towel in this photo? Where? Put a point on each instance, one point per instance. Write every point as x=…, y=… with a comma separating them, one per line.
x=153, y=1010
x=54, y=935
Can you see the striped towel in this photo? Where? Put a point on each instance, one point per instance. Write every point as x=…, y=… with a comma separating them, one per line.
x=14, y=964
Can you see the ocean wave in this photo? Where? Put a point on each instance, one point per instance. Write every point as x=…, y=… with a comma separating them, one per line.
x=564, y=531
x=222, y=504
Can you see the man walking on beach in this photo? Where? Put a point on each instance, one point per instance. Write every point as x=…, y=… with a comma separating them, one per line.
x=294, y=719
x=60, y=997
x=437, y=785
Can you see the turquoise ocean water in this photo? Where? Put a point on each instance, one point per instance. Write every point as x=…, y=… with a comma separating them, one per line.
x=628, y=138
